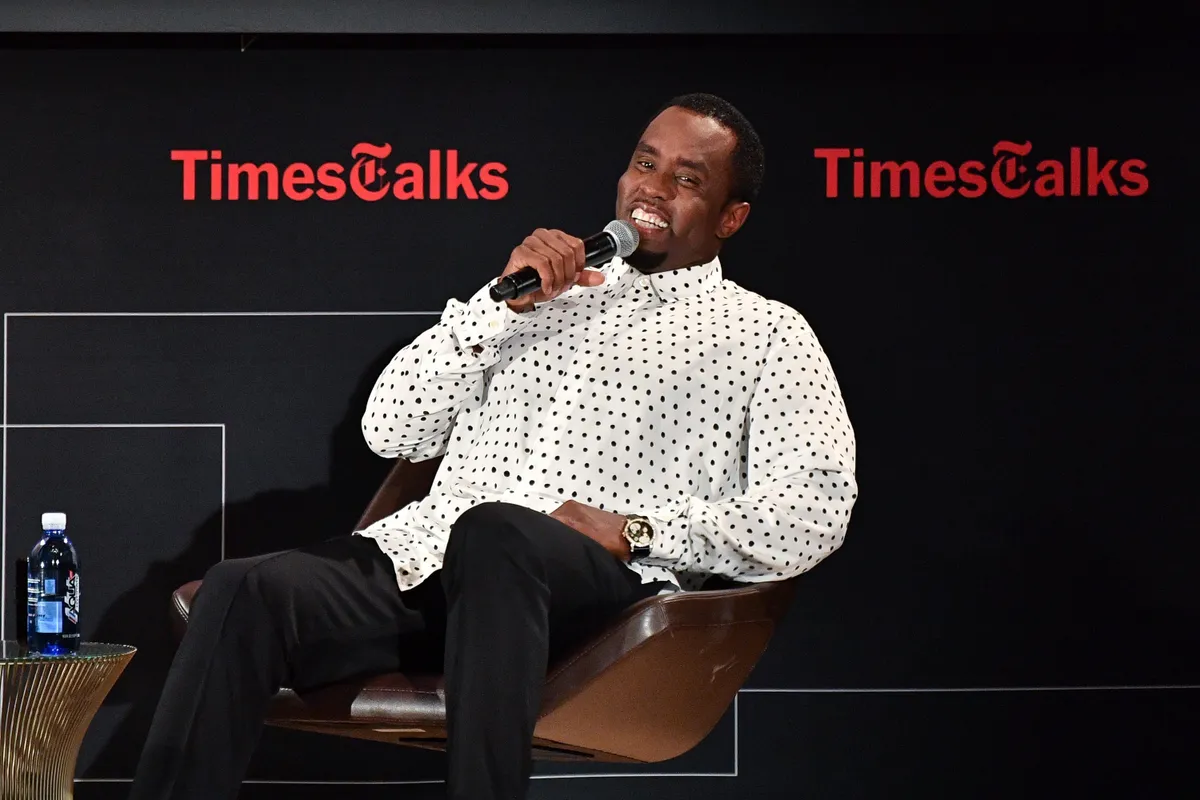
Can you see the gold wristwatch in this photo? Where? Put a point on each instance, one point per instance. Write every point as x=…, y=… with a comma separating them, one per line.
x=640, y=533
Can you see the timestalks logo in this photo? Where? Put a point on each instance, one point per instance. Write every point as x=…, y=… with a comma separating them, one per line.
x=1008, y=176
x=440, y=176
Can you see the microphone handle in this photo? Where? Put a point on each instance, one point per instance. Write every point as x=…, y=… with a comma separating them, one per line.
x=520, y=283
x=596, y=250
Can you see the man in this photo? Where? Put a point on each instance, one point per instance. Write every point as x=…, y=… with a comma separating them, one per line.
x=621, y=432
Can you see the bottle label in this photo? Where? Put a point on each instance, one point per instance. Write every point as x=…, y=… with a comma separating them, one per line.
x=49, y=585
x=71, y=599
x=49, y=616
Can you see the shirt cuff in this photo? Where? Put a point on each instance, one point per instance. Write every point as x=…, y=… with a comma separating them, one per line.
x=482, y=319
x=672, y=545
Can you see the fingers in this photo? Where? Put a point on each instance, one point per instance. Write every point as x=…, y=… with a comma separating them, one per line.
x=557, y=257
x=562, y=253
x=522, y=256
x=549, y=264
x=590, y=277
x=571, y=251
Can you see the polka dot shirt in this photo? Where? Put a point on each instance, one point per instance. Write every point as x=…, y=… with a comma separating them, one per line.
x=680, y=396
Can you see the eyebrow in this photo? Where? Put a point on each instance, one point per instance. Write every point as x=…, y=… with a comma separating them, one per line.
x=642, y=147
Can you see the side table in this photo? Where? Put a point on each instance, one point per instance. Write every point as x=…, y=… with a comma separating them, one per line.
x=46, y=705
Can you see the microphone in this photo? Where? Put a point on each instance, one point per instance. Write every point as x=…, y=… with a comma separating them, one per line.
x=618, y=238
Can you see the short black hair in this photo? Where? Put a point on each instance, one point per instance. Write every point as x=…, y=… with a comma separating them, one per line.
x=748, y=156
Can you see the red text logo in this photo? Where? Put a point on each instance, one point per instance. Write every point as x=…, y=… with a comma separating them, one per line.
x=1009, y=175
x=443, y=174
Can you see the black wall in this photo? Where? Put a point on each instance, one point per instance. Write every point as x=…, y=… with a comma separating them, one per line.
x=1019, y=371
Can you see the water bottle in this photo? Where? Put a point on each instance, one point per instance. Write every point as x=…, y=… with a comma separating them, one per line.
x=53, y=591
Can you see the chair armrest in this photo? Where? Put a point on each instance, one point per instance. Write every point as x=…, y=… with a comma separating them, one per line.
x=181, y=606
x=659, y=679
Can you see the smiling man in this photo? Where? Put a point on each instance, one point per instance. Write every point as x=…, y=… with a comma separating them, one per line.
x=689, y=184
x=622, y=432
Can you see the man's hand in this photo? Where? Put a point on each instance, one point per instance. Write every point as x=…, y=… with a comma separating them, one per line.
x=602, y=526
x=558, y=259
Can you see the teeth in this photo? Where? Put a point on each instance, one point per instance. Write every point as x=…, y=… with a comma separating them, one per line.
x=649, y=218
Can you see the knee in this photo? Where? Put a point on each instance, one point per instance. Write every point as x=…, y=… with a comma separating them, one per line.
x=224, y=579
x=244, y=583
x=485, y=532
x=484, y=515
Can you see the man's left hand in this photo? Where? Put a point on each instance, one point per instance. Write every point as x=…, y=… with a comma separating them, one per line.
x=602, y=526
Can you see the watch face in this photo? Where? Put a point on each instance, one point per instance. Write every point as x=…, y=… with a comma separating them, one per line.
x=640, y=533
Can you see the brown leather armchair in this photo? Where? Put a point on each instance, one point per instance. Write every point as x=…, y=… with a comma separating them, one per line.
x=646, y=689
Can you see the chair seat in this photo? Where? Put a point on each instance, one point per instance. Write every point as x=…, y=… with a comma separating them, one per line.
x=393, y=700
x=647, y=688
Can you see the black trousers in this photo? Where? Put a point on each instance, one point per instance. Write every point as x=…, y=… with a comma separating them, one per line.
x=516, y=587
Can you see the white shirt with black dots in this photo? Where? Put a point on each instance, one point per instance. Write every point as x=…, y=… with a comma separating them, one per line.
x=680, y=396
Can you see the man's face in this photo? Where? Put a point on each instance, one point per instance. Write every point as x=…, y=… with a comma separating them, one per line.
x=676, y=190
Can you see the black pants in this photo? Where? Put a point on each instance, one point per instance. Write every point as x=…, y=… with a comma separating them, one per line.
x=516, y=587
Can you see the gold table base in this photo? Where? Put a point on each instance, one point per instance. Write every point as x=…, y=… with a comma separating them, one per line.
x=46, y=706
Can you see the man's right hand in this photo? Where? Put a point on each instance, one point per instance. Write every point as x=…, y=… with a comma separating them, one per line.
x=558, y=259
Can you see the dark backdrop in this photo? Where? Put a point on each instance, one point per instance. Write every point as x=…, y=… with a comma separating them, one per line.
x=1013, y=613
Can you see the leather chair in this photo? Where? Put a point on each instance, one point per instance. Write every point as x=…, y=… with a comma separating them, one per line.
x=648, y=688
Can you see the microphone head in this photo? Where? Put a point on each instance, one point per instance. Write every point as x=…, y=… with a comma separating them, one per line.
x=625, y=235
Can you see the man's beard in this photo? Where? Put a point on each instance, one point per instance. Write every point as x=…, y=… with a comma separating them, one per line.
x=644, y=261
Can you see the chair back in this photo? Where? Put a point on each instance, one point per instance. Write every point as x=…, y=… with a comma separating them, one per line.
x=406, y=482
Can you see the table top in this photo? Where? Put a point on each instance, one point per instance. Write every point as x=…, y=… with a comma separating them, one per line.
x=12, y=652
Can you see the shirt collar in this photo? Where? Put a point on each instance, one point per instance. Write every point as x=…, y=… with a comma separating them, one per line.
x=676, y=284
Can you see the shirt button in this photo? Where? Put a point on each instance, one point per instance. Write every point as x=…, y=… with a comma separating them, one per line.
x=494, y=324
x=643, y=282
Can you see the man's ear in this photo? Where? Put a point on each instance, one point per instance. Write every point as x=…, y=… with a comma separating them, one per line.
x=732, y=219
